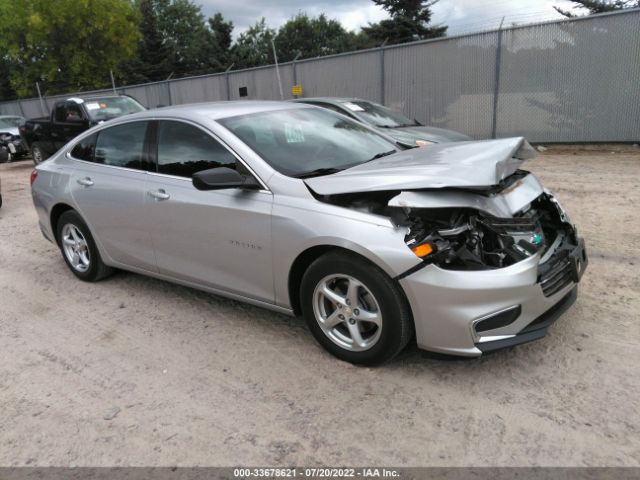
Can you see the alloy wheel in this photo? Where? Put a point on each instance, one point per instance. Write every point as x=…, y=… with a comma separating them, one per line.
x=347, y=312
x=75, y=248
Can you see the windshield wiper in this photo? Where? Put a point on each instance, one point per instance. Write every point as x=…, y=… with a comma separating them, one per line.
x=380, y=155
x=400, y=125
x=318, y=172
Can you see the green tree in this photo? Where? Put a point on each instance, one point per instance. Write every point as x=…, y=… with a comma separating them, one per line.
x=221, y=31
x=188, y=36
x=66, y=44
x=253, y=46
x=153, y=59
x=312, y=37
x=597, y=6
x=6, y=90
x=409, y=22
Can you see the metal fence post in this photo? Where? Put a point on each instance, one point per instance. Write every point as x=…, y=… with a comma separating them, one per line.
x=226, y=79
x=496, y=87
x=45, y=111
x=382, y=86
x=169, y=92
x=295, y=69
x=21, y=109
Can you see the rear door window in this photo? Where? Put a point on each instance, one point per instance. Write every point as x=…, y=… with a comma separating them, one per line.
x=123, y=146
x=184, y=149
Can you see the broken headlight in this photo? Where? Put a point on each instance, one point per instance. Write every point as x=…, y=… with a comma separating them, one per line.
x=470, y=240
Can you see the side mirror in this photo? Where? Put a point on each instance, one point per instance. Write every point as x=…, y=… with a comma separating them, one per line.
x=221, y=178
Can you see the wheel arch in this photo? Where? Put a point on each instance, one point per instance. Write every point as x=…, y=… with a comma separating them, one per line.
x=307, y=257
x=56, y=213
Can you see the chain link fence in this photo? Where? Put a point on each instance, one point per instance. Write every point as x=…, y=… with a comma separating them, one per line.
x=574, y=80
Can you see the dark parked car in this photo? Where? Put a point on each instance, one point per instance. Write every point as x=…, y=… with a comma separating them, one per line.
x=45, y=136
x=407, y=132
x=11, y=145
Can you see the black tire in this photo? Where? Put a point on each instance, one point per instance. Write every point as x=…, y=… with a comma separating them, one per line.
x=97, y=269
x=38, y=154
x=397, y=322
x=5, y=156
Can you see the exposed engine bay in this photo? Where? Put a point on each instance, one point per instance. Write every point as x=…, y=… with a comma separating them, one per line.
x=466, y=238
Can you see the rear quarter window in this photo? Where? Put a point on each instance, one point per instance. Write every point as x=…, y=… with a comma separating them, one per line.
x=85, y=148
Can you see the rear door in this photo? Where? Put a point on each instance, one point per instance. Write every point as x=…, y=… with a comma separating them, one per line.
x=219, y=239
x=109, y=185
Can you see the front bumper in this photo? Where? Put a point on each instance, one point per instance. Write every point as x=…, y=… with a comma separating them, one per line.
x=14, y=147
x=448, y=304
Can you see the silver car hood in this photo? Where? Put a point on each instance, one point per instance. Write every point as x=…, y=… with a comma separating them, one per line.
x=12, y=130
x=468, y=165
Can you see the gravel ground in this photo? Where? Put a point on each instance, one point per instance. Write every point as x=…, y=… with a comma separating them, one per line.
x=136, y=371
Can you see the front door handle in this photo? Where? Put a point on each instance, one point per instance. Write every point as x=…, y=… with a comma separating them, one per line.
x=159, y=194
x=85, y=182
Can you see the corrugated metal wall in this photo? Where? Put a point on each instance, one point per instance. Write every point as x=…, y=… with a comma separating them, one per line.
x=571, y=81
x=445, y=84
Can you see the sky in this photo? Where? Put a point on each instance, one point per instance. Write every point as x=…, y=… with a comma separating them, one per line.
x=462, y=16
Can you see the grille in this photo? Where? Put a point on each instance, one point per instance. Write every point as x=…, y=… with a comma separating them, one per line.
x=557, y=278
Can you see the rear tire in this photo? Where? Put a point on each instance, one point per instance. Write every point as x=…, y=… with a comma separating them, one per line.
x=37, y=153
x=79, y=249
x=354, y=309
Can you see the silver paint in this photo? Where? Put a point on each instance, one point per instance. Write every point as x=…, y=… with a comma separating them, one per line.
x=243, y=244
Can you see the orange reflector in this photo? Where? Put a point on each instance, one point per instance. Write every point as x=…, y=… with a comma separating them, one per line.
x=422, y=250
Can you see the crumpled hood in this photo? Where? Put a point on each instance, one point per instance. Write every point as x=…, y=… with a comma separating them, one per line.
x=12, y=130
x=431, y=134
x=464, y=165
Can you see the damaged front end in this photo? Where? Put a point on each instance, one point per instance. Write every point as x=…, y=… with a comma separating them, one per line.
x=499, y=260
x=482, y=228
x=468, y=239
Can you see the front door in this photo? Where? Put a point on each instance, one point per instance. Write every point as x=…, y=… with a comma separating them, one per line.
x=219, y=239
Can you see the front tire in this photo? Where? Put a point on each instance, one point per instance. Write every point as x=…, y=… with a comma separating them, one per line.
x=79, y=249
x=38, y=154
x=354, y=309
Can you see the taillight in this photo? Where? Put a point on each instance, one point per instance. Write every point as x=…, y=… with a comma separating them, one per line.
x=34, y=175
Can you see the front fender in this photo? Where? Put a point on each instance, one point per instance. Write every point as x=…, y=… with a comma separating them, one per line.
x=305, y=224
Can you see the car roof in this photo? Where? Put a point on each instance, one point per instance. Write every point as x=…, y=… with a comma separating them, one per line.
x=93, y=97
x=332, y=100
x=218, y=110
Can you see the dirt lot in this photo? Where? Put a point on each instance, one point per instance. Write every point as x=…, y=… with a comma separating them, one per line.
x=135, y=371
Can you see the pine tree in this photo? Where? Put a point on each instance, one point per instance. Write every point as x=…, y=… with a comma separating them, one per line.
x=409, y=22
x=598, y=6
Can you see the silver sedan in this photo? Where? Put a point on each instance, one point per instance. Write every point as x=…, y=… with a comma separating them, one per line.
x=304, y=211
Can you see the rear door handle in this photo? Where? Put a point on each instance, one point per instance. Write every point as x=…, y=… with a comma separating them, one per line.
x=159, y=194
x=85, y=182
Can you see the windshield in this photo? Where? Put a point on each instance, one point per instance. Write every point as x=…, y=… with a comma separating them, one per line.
x=377, y=115
x=110, y=107
x=306, y=142
x=11, y=122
